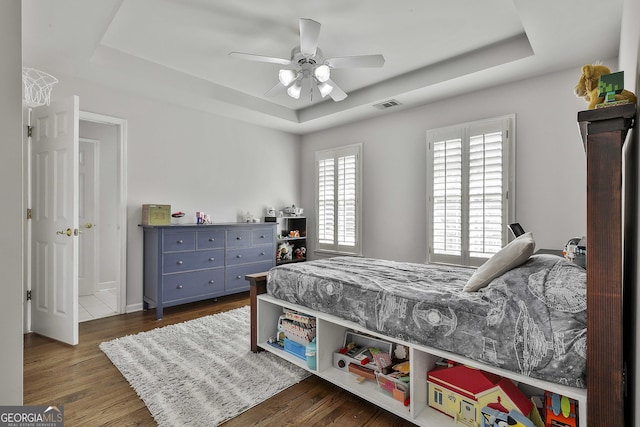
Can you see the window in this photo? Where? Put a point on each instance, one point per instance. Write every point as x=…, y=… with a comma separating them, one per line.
x=469, y=183
x=338, y=175
x=437, y=396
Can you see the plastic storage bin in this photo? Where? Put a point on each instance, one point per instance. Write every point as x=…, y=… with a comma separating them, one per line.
x=295, y=348
x=311, y=354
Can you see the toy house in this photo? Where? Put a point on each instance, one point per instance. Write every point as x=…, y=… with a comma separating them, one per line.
x=462, y=392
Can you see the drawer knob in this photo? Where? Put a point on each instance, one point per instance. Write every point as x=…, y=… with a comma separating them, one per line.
x=179, y=287
x=180, y=262
x=262, y=237
x=261, y=253
x=212, y=239
x=212, y=259
x=238, y=277
x=239, y=256
x=239, y=238
x=180, y=242
x=211, y=282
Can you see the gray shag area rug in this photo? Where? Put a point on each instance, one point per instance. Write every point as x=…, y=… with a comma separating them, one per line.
x=200, y=372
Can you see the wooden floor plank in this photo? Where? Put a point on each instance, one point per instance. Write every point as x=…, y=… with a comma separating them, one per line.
x=94, y=393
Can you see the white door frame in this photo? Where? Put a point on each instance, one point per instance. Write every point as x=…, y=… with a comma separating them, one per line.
x=122, y=200
x=122, y=195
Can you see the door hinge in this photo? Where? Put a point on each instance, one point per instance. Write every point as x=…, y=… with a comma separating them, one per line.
x=28, y=295
x=29, y=213
x=29, y=131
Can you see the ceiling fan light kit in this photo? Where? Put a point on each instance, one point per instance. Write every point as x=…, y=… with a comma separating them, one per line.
x=325, y=89
x=287, y=77
x=294, y=90
x=322, y=73
x=309, y=63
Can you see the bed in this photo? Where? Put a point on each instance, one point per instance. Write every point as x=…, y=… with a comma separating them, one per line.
x=611, y=345
x=530, y=320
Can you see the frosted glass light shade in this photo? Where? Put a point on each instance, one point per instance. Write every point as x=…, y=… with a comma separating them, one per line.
x=287, y=77
x=294, y=90
x=325, y=89
x=322, y=73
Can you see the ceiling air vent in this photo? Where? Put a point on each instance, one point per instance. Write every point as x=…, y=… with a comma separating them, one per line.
x=387, y=104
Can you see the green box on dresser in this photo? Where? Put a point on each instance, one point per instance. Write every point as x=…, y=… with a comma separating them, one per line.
x=187, y=263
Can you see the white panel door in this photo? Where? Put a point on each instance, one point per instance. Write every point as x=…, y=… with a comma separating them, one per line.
x=54, y=245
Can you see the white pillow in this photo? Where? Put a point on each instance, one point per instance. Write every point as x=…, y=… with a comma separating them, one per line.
x=512, y=255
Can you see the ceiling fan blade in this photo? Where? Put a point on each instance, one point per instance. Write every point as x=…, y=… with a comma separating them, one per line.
x=336, y=94
x=361, y=61
x=260, y=58
x=279, y=87
x=309, y=34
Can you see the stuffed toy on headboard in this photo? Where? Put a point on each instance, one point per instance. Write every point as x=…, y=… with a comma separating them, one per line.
x=587, y=86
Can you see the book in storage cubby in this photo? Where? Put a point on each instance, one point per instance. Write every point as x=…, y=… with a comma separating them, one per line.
x=292, y=230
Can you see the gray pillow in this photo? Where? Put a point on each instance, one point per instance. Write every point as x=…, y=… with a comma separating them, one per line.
x=512, y=255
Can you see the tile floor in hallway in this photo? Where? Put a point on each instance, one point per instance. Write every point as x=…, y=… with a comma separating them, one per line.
x=101, y=304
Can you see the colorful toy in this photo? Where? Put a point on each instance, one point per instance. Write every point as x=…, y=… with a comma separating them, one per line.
x=587, y=86
x=609, y=85
x=462, y=392
x=560, y=411
x=492, y=417
x=285, y=251
x=404, y=367
x=300, y=253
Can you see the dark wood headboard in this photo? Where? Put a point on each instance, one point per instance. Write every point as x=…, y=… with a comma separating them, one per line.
x=603, y=133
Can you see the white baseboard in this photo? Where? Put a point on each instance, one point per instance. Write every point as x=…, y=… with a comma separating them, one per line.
x=103, y=286
x=133, y=308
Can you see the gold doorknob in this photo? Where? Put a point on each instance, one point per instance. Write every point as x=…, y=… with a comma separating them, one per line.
x=68, y=232
x=88, y=225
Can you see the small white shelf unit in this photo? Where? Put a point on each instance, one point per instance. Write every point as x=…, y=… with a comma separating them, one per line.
x=330, y=336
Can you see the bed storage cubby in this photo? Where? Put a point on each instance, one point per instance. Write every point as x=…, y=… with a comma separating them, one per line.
x=330, y=336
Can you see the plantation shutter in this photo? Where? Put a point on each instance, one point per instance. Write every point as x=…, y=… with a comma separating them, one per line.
x=468, y=188
x=347, y=200
x=326, y=201
x=486, y=219
x=338, y=192
x=447, y=196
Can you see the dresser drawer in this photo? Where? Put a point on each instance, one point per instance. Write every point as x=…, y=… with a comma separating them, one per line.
x=192, y=284
x=179, y=240
x=248, y=255
x=235, y=275
x=186, y=261
x=210, y=239
x=239, y=238
x=262, y=236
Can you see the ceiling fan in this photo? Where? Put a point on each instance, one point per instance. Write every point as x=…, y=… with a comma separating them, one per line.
x=309, y=67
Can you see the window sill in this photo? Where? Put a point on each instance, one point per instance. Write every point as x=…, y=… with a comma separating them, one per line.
x=328, y=252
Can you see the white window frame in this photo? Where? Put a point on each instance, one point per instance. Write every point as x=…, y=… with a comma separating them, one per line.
x=507, y=125
x=335, y=248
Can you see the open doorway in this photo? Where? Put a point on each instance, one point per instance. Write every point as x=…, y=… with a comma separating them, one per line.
x=102, y=217
x=54, y=233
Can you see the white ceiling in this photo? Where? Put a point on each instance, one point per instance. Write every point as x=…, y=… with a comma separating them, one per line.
x=177, y=50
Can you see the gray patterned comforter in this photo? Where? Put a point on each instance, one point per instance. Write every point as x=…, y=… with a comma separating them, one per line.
x=530, y=320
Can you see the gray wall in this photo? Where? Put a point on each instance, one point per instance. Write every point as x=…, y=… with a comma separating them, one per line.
x=11, y=245
x=550, y=165
x=192, y=160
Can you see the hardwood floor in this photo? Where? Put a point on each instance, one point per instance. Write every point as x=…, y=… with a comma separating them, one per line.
x=94, y=393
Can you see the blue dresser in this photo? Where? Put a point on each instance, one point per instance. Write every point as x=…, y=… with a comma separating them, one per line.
x=187, y=263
